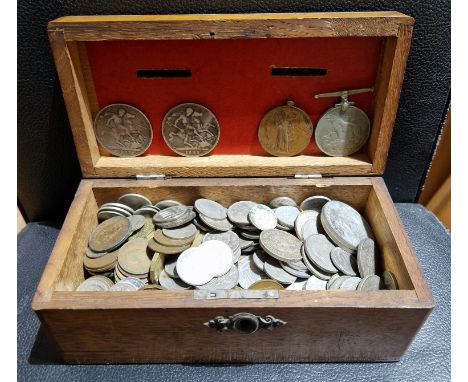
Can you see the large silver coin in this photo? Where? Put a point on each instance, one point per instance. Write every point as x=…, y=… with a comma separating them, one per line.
x=342, y=222
x=218, y=225
x=314, y=269
x=190, y=130
x=123, y=130
x=226, y=281
x=282, y=201
x=211, y=209
x=95, y=283
x=238, y=212
x=314, y=203
x=262, y=217
x=229, y=237
x=366, y=257
x=318, y=248
x=193, y=267
x=344, y=261
x=170, y=283
x=219, y=256
x=342, y=133
x=314, y=283
x=275, y=271
x=301, y=219
x=350, y=283
x=312, y=226
x=281, y=245
x=287, y=215
x=389, y=280
x=369, y=283
x=249, y=272
x=180, y=233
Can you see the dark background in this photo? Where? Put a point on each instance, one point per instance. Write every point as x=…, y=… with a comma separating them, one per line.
x=48, y=169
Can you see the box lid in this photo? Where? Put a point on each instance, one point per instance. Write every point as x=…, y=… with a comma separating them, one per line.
x=93, y=55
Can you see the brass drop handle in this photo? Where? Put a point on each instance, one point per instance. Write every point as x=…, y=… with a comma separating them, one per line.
x=244, y=323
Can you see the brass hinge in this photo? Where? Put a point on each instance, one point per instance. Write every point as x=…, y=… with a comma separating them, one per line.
x=150, y=177
x=307, y=176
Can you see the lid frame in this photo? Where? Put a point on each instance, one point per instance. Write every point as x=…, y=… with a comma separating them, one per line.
x=68, y=34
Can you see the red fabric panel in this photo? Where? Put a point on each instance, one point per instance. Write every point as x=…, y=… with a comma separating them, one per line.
x=233, y=79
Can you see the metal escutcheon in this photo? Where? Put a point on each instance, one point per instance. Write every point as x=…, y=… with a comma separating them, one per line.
x=244, y=323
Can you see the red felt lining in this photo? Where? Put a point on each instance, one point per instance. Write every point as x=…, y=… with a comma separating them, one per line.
x=233, y=79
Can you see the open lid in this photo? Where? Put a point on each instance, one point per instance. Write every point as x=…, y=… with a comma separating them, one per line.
x=231, y=61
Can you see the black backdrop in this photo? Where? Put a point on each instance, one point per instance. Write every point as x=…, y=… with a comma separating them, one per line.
x=48, y=169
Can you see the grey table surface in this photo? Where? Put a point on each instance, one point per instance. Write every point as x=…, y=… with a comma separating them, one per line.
x=428, y=358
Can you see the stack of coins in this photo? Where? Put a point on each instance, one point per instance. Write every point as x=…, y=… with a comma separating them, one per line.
x=320, y=244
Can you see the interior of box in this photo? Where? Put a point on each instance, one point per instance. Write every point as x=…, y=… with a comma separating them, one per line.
x=358, y=193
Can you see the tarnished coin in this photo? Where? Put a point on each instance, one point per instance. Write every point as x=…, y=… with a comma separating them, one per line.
x=163, y=204
x=266, y=285
x=293, y=271
x=121, y=206
x=314, y=283
x=322, y=275
x=350, y=283
x=170, y=267
x=276, y=272
x=287, y=215
x=389, y=280
x=146, y=211
x=153, y=286
x=101, y=263
x=133, y=257
x=218, y=225
x=170, y=283
x=170, y=214
x=282, y=201
x=190, y=130
x=367, y=257
x=259, y=257
x=281, y=245
x=369, y=283
x=226, y=281
x=128, y=284
x=198, y=240
x=94, y=255
x=136, y=222
x=95, y=283
x=285, y=130
x=312, y=226
x=344, y=224
x=110, y=234
x=160, y=238
x=344, y=261
x=342, y=133
x=107, y=214
x=248, y=272
x=211, y=209
x=146, y=232
x=318, y=248
x=184, y=232
x=238, y=212
x=301, y=219
x=157, y=265
x=166, y=249
x=262, y=217
x=123, y=130
x=297, y=285
x=314, y=203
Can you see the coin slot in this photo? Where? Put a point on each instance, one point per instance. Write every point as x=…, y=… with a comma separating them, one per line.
x=299, y=72
x=164, y=73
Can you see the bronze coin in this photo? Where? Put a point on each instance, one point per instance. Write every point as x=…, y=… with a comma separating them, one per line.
x=123, y=130
x=166, y=250
x=266, y=284
x=133, y=257
x=285, y=131
x=156, y=267
x=110, y=234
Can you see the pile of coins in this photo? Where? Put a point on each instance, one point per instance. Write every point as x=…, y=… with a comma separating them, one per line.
x=320, y=244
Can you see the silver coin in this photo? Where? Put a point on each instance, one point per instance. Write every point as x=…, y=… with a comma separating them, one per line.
x=236, y=255
x=180, y=233
x=163, y=204
x=94, y=255
x=366, y=257
x=120, y=211
x=276, y=272
x=350, y=283
x=282, y=201
x=332, y=279
x=250, y=235
x=312, y=227
x=245, y=243
x=281, y=245
x=342, y=133
x=262, y=217
x=132, y=282
x=219, y=255
x=317, y=249
x=170, y=214
x=298, y=265
x=123, y=130
x=259, y=257
x=314, y=203
x=170, y=283
x=344, y=223
x=106, y=214
x=249, y=272
x=202, y=226
x=369, y=283
x=314, y=269
x=211, y=209
x=314, y=283
x=294, y=272
x=136, y=222
x=302, y=219
x=229, y=237
x=238, y=212
x=251, y=249
x=122, y=206
x=227, y=281
x=283, y=228
x=247, y=227
x=95, y=283
x=190, y=130
x=297, y=285
x=344, y=261
x=180, y=221
x=170, y=266
x=134, y=201
x=287, y=215
x=219, y=225
x=119, y=286
x=389, y=280
x=146, y=211
x=335, y=285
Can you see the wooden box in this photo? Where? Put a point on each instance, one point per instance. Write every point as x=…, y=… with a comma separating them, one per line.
x=168, y=326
